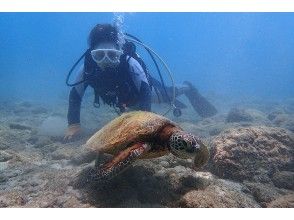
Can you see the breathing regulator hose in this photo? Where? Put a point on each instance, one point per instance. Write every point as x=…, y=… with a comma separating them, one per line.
x=71, y=70
x=172, y=101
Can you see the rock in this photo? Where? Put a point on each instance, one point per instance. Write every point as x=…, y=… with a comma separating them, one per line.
x=164, y=164
x=145, y=184
x=215, y=130
x=72, y=202
x=252, y=153
x=179, y=169
x=13, y=138
x=26, y=104
x=289, y=105
x=3, y=146
x=3, y=178
x=3, y=166
x=4, y=156
x=237, y=115
x=221, y=194
x=187, y=180
x=274, y=114
x=134, y=203
x=19, y=126
x=13, y=173
x=42, y=142
x=12, y=198
x=263, y=193
x=289, y=124
x=282, y=119
x=286, y=201
x=45, y=200
x=195, y=129
x=247, y=116
x=284, y=179
x=20, y=111
x=33, y=140
x=207, y=127
x=39, y=110
x=83, y=157
x=285, y=121
x=62, y=153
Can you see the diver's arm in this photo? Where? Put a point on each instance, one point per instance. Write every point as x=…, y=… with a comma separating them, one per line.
x=75, y=99
x=140, y=80
x=145, y=97
x=74, y=107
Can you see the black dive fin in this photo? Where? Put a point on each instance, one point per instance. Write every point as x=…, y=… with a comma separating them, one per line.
x=179, y=104
x=203, y=107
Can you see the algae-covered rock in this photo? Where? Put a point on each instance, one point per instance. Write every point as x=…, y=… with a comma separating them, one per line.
x=286, y=201
x=220, y=194
x=263, y=193
x=19, y=126
x=237, y=115
x=4, y=156
x=252, y=153
x=284, y=179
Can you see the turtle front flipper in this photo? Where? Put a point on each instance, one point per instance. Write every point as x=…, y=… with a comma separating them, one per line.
x=119, y=162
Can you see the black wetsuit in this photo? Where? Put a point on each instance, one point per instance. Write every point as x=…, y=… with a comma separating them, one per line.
x=126, y=85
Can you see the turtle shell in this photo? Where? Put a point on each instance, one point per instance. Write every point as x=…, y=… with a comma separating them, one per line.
x=132, y=127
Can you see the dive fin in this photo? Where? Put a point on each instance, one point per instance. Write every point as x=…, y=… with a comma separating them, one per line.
x=179, y=104
x=203, y=107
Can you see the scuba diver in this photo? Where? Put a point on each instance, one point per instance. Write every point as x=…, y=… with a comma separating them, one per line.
x=121, y=79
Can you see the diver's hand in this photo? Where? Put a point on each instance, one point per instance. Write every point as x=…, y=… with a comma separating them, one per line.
x=72, y=132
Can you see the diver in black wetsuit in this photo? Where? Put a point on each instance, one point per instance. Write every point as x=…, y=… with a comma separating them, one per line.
x=120, y=78
x=117, y=78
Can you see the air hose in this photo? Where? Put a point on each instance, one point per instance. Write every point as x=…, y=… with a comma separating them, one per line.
x=150, y=51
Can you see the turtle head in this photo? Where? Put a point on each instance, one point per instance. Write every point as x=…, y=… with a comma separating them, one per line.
x=185, y=145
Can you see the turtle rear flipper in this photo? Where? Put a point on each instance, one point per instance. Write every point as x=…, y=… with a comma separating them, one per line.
x=119, y=162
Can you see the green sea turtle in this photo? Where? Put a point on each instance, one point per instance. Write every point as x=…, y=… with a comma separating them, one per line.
x=142, y=135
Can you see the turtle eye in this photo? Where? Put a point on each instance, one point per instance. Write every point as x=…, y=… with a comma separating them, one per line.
x=185, y=145
x=182, y=145
x=189, y=148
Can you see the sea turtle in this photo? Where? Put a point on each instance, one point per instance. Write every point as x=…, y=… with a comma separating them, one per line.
x=142, y=135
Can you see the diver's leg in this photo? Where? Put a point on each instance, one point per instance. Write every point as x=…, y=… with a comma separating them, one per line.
x=201, y=105
x=165, y=94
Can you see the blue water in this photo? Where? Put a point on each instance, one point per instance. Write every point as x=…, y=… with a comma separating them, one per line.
x=226, y=54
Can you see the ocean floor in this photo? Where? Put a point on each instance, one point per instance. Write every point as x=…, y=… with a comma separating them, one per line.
x=251, y=160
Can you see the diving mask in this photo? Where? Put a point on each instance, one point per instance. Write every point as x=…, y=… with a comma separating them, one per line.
x=106, y=55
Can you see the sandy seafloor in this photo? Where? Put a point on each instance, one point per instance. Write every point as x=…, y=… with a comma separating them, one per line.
x=251, y=164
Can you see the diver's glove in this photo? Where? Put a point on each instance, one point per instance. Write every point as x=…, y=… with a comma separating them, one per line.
x=73, y=131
